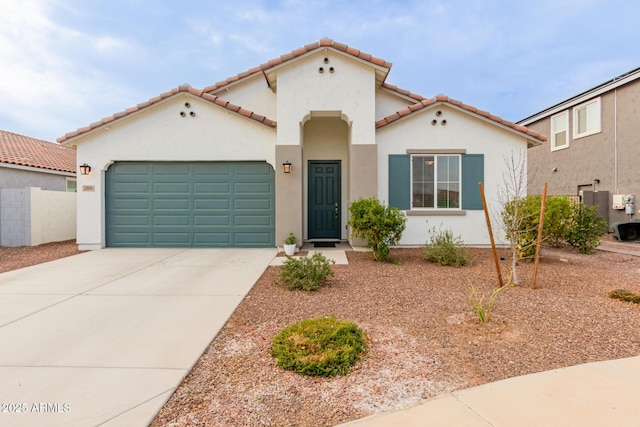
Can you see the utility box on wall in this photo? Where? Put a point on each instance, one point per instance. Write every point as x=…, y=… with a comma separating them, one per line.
x=597, y=198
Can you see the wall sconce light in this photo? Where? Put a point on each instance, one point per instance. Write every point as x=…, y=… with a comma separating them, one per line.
x=85, y=169
x=287, y=166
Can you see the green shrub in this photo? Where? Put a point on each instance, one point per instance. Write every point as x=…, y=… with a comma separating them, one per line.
x=381, y=226
x=320, y=347
x=585, y=228
x=290, y=240
x=625, y=295
x=306, y=273
x=445, y=249
x=557, y=218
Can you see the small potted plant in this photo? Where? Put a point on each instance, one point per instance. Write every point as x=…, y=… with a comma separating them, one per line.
x=290, y=245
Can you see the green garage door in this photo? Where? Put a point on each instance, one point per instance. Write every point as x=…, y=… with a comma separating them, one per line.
x=190, y=204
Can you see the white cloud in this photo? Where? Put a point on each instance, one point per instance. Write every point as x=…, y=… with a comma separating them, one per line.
x=42, y=80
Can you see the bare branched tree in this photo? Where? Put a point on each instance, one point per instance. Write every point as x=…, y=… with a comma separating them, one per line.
x=513, y=190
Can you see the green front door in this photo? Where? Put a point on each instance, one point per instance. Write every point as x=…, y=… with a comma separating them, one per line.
x=190, y=204
x=324, y=199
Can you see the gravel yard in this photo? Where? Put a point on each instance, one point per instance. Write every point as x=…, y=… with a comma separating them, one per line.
x=424, y=338
x=24, y=256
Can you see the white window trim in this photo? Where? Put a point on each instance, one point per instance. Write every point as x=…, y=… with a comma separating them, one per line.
x=435, y=182
x=553, y=145
x=576, y=134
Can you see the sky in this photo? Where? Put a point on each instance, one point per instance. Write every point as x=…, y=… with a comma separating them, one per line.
x=67, y=63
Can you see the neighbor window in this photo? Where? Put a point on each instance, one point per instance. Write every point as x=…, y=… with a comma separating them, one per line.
x=72, y=186
x=586, y=118
x=560, y=131
x=435, y=181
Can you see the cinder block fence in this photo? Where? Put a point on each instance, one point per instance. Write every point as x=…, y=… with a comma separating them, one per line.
x=31, y=216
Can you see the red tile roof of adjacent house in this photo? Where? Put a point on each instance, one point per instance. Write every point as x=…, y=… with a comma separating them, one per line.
x=180, y=89
x=323, y=43
x=21, y=150
x=445, y=99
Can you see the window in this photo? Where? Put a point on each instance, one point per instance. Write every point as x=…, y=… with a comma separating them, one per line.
x=451, y=180
x=71, y=186
x=560, y=131
x=586, y=119
x=435, y=181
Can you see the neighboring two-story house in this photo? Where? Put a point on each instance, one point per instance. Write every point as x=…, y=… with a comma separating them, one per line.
x=286, y=147
x=593, y=148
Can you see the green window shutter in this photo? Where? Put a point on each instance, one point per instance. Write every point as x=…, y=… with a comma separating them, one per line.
x=400, y=181
x=472, y=174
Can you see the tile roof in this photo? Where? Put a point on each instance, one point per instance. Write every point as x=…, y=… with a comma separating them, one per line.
x=180, y=89
x=445, y=99
x=323, y=43
x=21, y=150
x=404, y=92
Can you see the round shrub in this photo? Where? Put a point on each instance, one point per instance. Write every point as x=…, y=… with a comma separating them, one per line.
x=323, y=347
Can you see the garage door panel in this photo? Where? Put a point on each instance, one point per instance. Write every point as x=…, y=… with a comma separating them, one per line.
x=252, y=204
x=132, y=169
x=213, y=168
x=132, y=220
x=130, y=204
x=161, y=169
x=247, y=239
x=171, y=220
x=252, y=220
x=132, y=187
x=171, y=187
x=190, y=204
x=171, y=239
x=213, y=239
x=212, y=188
x=251, y=188
x=221, y=220
x=181, y=203
x=132, y=239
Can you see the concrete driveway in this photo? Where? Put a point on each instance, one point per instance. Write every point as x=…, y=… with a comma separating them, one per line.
x=105, y=337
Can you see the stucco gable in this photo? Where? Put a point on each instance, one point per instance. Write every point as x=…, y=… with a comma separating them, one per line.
x=533, y=138
x=270, y=68
x=68, y=138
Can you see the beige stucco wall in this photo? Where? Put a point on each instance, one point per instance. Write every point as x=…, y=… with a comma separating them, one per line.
x=289, y=194
x=462, y=131
x=594, y=157
x=160, y=133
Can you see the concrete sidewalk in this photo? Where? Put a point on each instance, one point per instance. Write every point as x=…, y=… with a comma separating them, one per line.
x=594, y=394
x=105, y=337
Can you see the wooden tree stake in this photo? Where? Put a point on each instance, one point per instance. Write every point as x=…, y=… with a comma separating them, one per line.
x=543, y=204
x=493, y=244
